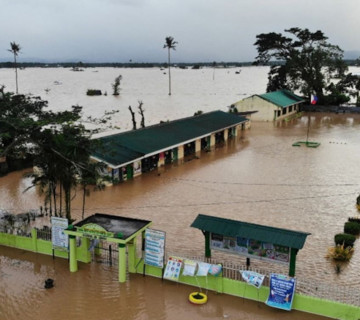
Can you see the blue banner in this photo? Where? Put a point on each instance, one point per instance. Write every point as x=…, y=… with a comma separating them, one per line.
x=282, y=290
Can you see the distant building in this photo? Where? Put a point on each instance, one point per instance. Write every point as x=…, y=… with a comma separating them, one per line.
x=132, y=153
x=270, y=106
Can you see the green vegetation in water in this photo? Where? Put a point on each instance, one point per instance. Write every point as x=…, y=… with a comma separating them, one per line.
x=340, y=253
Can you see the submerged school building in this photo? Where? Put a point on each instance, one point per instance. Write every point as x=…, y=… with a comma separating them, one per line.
x=271, y=106
x=132, y=153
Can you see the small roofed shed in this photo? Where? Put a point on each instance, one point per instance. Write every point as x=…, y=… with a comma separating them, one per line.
x=120, y=230
x=271, y=106
x=295, y=240
x=121, y=149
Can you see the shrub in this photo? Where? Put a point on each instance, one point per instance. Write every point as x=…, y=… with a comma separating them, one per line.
x=340, y=253
x=352, y=228
x=357, y=220
x=344, y=239
x=93, y=92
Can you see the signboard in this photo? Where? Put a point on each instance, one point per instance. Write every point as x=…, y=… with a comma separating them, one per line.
x=94, y=231
x=58, y=238
x=173, y=267
x=250, y=248
x=282, y=290
x=154, y=247
x=253, y=278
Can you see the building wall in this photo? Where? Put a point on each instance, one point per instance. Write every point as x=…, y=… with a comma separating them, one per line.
x=265, y=110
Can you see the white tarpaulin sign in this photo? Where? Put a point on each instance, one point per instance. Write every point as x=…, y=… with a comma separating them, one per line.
x=253, y=278
x=58, y=237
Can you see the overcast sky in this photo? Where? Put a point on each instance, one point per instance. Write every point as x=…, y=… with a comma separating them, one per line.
x=206, y=30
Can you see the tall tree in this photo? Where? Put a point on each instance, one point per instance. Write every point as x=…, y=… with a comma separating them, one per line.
x=169, y=44
x=305, y=61
x=90, y=175
x=15, y=49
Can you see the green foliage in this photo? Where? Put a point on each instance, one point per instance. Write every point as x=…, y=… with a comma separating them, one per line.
x=340, y=253
x=93, y=92
x=59, y=144
x=344, y=239
x=352, y=228
x=305, y=60
x=354, y=219
x=233, y=109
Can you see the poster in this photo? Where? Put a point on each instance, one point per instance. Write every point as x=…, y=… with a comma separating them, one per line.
x=250, y=248
x=253, y=278
x=154, y=247
x=173, y=267
x=282, y=290
x=58, y=238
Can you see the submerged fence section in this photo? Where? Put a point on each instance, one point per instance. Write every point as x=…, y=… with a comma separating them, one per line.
x=309, y=287
x=311, y=296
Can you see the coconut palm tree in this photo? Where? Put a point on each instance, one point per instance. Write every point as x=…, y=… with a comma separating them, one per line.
x=169, y=44
x=15, y=49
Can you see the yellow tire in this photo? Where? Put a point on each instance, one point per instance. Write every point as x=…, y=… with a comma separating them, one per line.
x=197, y=298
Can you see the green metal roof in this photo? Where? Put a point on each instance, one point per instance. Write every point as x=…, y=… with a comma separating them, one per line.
x=131, y=145
x=282, y=98
x=233, y=228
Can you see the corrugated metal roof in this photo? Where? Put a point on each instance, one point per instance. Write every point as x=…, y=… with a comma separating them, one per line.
x=282, y=98
x=233, y=228
x=127, y=146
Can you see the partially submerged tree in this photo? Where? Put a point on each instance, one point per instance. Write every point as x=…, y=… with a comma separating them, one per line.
x=116, y=85
x=141, y=112
x=91, y=176
x=15, y=49
x=169, y=44
x=305, y=61
x=133, y=118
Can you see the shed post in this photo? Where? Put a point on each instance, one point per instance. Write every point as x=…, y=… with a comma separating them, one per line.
x=207, y=244
x=226, y=135
x=293, y=253
x=132, y=255
x=73, y=261
x=122, y=262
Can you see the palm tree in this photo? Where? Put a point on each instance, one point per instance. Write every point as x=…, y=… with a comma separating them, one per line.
x=15, y=49
x=169, y=44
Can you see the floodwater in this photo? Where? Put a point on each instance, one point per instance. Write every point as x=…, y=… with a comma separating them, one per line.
x=258, y=178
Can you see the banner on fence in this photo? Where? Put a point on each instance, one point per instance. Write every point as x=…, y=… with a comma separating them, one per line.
x=154, y=247
x=253, y=278
x=282, y=290
x=173, y=267
x=250, y=248
x=58, y=238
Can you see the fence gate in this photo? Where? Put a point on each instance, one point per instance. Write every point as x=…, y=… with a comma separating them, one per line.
x=106, y=253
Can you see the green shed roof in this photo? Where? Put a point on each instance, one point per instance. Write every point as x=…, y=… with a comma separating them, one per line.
x=282, y=98
x=131, y=145
x=233, y=228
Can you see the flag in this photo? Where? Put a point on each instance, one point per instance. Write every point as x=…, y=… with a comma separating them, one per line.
x=313, y=99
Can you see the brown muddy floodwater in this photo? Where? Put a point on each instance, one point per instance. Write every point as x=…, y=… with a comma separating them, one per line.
x=259, y=178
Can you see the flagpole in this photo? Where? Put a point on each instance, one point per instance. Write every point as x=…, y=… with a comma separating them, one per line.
x=308, y=129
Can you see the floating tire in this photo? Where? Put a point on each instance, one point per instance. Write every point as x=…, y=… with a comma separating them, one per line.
x=197, y=298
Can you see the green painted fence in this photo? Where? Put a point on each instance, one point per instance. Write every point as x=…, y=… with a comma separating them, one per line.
x=220, y=284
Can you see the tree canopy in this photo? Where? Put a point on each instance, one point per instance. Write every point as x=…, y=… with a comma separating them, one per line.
x=59, y=143
x=306, y=61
